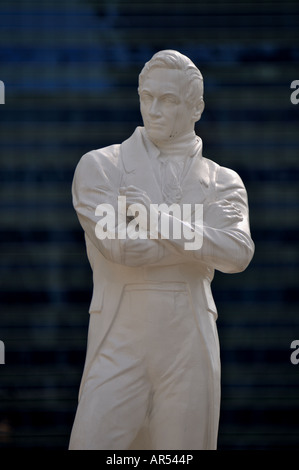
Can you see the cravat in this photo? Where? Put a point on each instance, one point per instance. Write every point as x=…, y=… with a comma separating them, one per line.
x=172, y=163
x=171, y=178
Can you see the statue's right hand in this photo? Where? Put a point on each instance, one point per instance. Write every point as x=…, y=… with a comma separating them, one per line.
x=221, y=214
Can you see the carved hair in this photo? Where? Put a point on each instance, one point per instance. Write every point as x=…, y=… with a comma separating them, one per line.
x=171, y=59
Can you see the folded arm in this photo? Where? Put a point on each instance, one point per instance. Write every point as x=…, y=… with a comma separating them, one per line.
x=226, y=241
x=221, y=237
x=95, y=186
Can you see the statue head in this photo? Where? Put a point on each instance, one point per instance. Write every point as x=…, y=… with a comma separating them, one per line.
x=171, y=95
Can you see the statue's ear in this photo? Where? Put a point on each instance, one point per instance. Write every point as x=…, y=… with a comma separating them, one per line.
x=198, y=110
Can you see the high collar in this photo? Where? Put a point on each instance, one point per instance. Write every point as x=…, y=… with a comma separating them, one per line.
x=136, y=153
x=187, y=145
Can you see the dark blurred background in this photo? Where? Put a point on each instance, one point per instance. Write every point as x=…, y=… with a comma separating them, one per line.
x=70, y=70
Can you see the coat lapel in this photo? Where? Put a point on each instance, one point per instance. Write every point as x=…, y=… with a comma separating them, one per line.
x=139, y=172
x=195, y=184
x=137, y=166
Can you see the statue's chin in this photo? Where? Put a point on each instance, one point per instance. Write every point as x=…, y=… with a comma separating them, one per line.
x=159, y=139
x=154, y=136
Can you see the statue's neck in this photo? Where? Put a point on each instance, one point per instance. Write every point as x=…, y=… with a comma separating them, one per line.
x=179, y=147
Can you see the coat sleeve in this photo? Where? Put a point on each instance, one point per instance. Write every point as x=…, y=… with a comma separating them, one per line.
x=95, y=184
x=94, y=179
x=227, y=245
x=226, y=240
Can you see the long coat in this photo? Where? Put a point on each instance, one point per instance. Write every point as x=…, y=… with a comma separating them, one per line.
x=227, y=245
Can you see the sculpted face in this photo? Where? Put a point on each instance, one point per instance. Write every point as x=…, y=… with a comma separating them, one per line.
x=165, y=113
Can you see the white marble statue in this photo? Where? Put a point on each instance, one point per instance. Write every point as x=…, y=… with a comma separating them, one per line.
x=152, y=373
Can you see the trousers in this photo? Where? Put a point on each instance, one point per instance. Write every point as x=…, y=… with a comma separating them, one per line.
x=147, y=386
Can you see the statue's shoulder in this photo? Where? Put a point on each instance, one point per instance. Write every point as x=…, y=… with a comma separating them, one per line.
x=105, y=158
x=110, y=155
x=223, y=176
x=212, y=165
x=211, y=169
x=97, y=163
x=105, y=155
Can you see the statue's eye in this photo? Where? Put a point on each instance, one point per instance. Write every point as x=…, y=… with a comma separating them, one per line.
x=170, y=99
x=146, y=97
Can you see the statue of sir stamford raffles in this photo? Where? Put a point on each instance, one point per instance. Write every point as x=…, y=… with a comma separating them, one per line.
x=151, y=378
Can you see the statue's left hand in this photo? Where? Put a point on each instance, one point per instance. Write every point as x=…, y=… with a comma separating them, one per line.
x=140, y=252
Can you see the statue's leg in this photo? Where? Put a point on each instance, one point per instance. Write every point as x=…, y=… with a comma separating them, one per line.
x=182, y=407
x=114, y=397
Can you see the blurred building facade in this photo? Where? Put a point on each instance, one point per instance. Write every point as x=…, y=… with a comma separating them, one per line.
x=70, y=70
